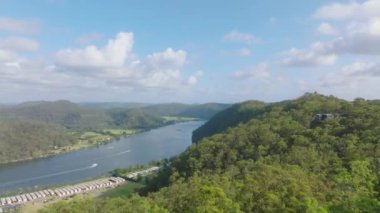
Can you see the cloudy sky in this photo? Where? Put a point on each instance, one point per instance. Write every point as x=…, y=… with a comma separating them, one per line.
x=188, y=51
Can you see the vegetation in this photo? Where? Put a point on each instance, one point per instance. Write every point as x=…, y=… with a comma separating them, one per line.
x=275, y=161
x=125, y=190
x=133, y=119
x=230, y=117
x=26, y=139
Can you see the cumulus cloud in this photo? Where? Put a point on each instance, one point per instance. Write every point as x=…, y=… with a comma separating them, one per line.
x=317, y=55
x=111, y=69
x=255, y=72
x=241, y=37
x=352, y=10
x=360, y=79
x=7, y=56
x=360, y=34
x=362, y=31
x=19, y=26
x=326, y=29
x=167, y=59
x=193, y=79
x=116, y=64
x=113, y=54
x=362, y=69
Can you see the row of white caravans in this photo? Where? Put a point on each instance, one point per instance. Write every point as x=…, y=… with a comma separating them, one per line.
x=145, y=172
x=63, y=191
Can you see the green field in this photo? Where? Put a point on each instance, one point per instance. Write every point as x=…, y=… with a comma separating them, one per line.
x=120, y=131
x=90, y=138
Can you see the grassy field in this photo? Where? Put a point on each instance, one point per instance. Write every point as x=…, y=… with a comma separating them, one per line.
x=121, y=131
x=87, y=139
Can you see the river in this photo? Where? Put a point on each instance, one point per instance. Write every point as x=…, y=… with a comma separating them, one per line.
x=88, y=163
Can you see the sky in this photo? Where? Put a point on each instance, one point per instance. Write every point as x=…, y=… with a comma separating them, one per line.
x=192, y=51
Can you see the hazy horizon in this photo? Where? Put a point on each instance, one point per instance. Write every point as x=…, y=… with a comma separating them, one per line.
x=156, y=103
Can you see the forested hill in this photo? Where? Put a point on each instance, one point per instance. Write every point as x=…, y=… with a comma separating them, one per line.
x=286, y=158
x=65, y=113
x=232, y=116
x=203, y=111
x=76, y=117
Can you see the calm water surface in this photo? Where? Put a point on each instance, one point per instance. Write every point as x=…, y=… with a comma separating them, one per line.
x=88, y=163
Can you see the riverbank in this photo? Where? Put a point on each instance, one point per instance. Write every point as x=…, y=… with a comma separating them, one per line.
x=90, y=139
x=74, y=167
x=104, y=187
x=84, y=140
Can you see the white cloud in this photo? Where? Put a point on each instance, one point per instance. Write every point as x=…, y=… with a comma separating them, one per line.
x=6, y=56
x=317, y=55
x=193, y=79
x=360, y=36
x=351, y=75
x=113, y=54
x=255, y=72
x=118, y=67
x=168, y=58
x=326, y=29
x=362, y=69
x=360, y=79
x=246, y=38
x=112, y=69
x=19, y=26
x=18, y=44
x=352, y=10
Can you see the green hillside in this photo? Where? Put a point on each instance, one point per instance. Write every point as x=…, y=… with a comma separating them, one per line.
x=275, y=162
x=27, y=139
x=65, y=113
x=230, y=117
x=133, y=119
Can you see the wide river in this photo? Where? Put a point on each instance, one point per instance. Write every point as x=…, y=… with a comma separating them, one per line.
x=88, y=163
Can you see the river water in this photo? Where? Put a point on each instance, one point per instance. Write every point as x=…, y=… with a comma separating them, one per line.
x=88, y=163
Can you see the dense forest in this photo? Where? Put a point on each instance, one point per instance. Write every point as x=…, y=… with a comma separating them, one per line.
x=279, y=157
x=26, y=139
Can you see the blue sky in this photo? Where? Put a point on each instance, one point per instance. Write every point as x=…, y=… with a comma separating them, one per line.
x=188, y=51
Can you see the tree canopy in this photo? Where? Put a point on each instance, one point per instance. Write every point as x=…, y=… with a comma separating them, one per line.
x=272, y=159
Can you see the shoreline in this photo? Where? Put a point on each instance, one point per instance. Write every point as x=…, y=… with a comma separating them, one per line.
x=94, y=187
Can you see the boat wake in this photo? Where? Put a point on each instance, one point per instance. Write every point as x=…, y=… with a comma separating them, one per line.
x=49, y=175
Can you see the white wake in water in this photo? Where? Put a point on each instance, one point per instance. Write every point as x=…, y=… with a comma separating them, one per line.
x=49, y=175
